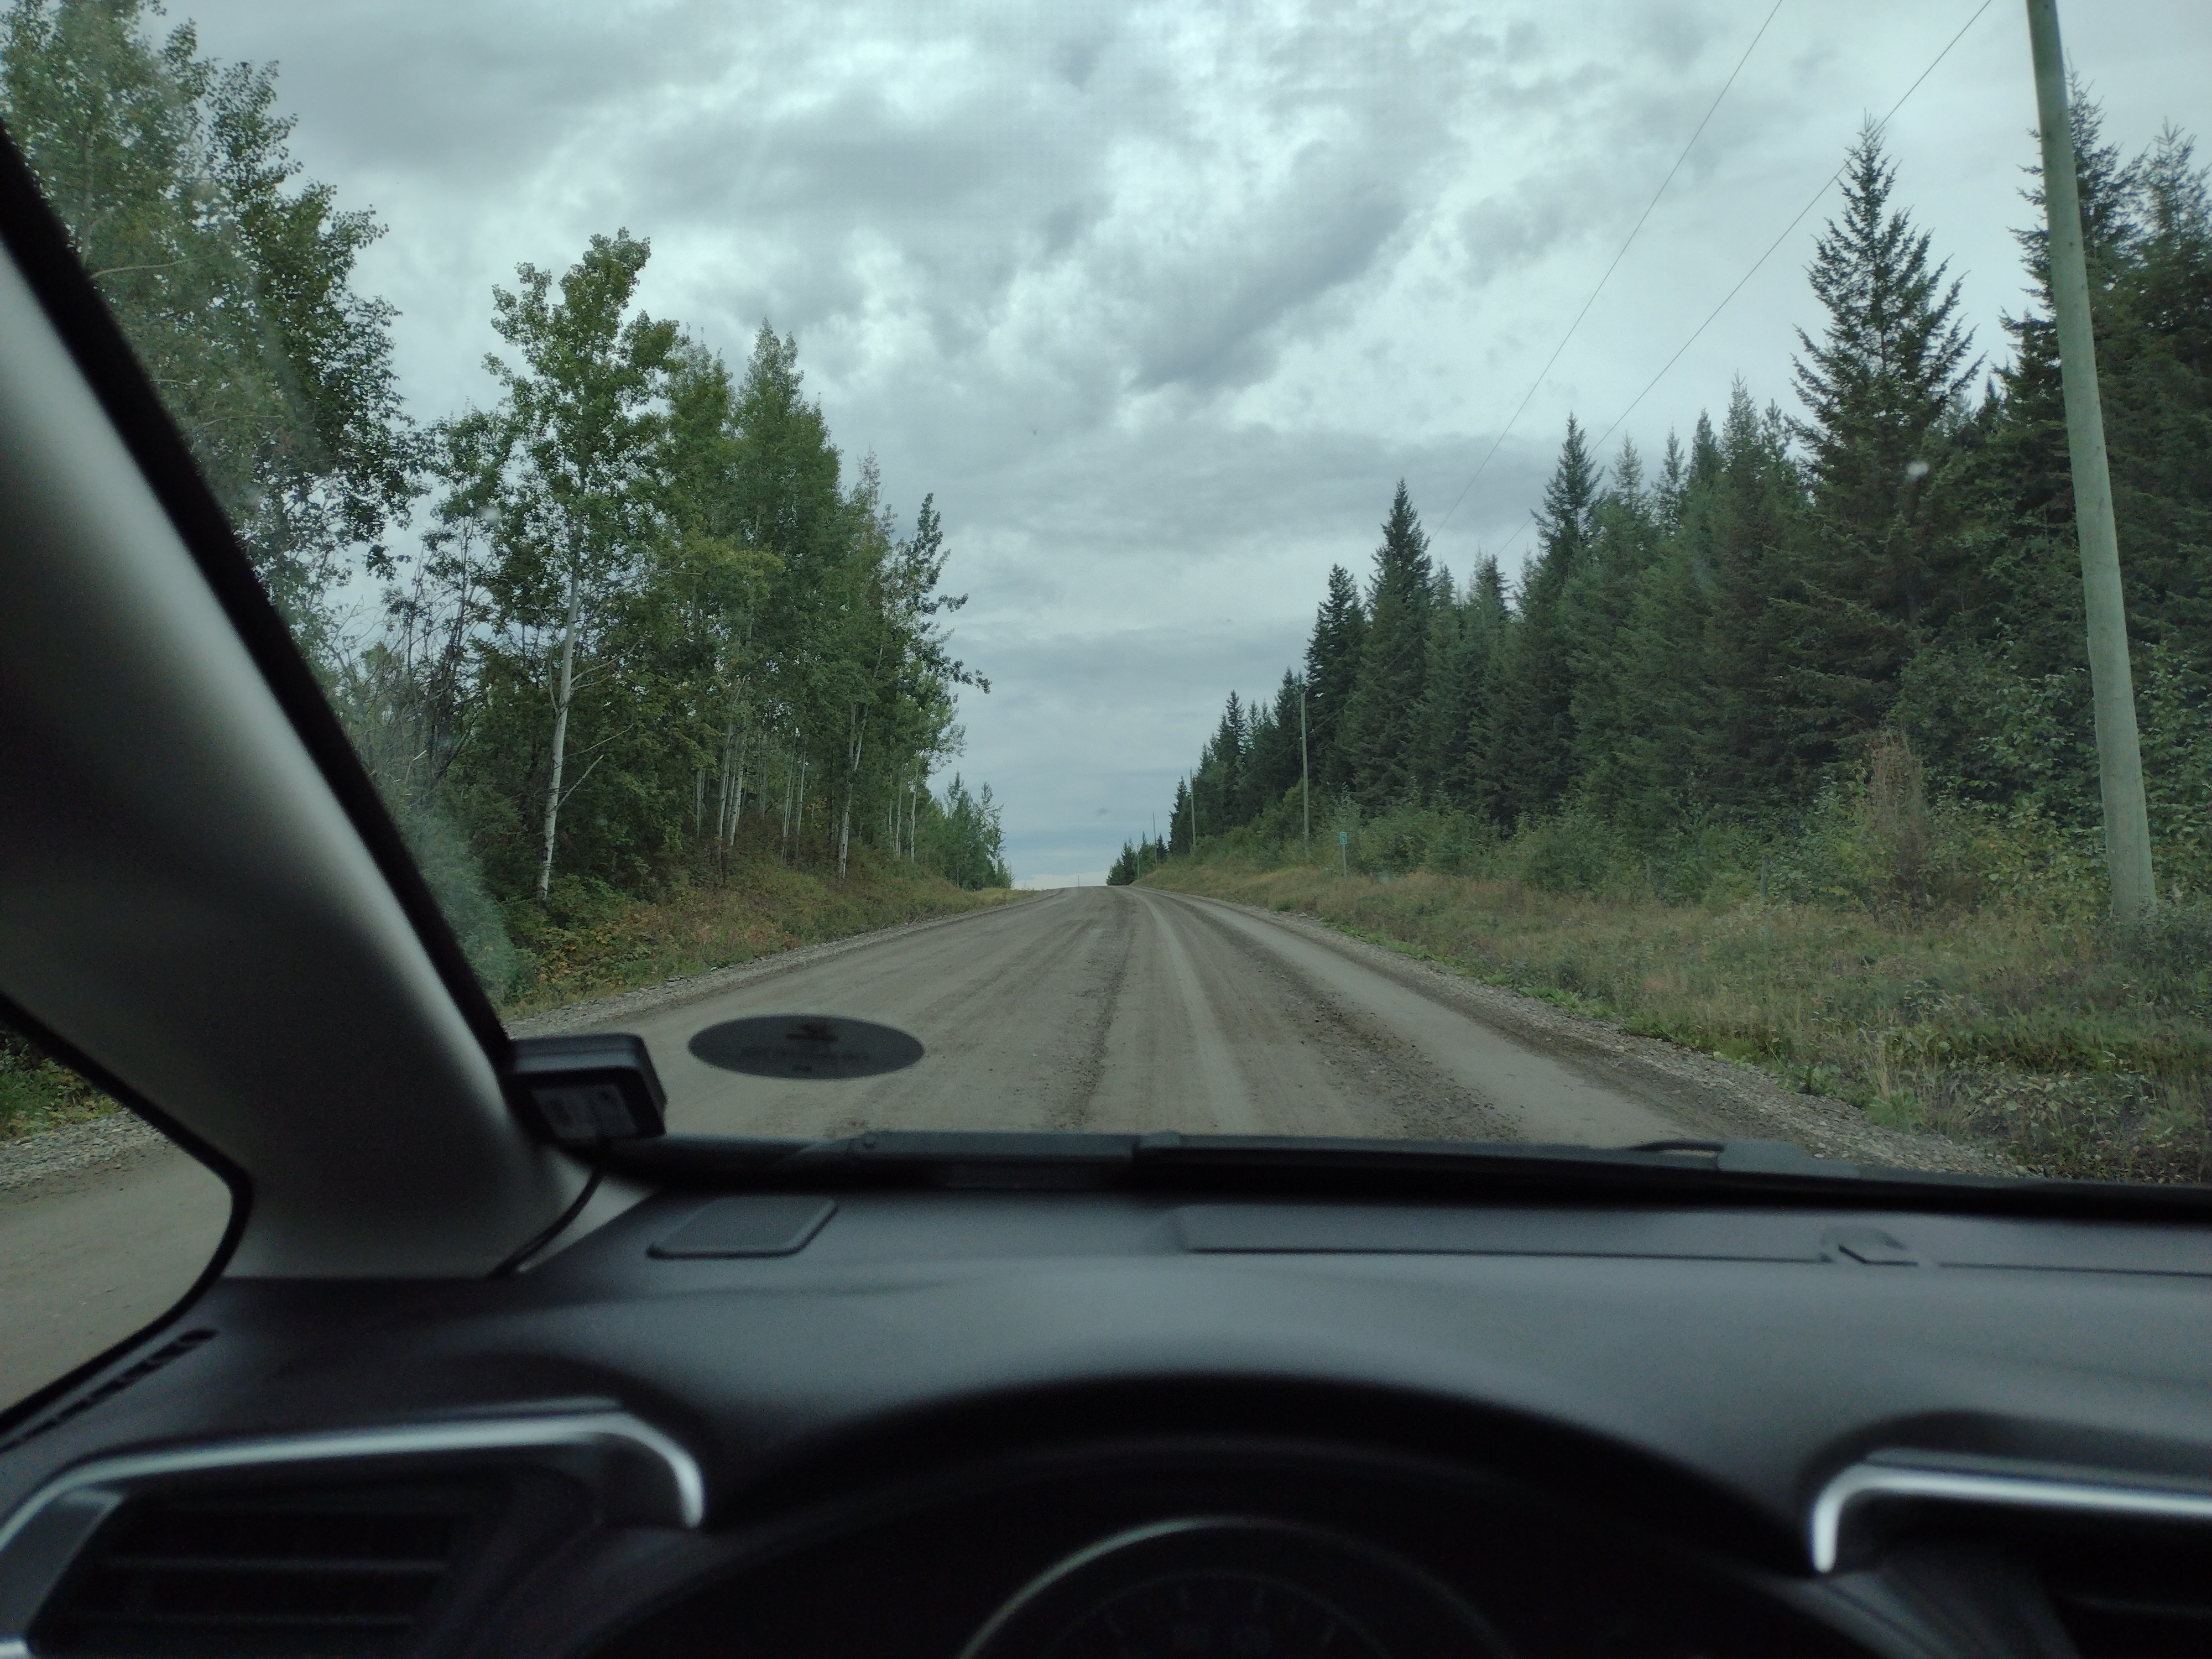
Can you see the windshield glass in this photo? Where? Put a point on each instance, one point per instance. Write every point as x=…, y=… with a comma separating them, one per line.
x=1515, y=576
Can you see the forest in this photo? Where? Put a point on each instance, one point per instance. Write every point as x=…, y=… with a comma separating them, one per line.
x=629, y=623
x=1835, y=652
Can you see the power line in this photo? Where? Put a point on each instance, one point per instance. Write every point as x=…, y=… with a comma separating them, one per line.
x=1610, y=269
x=1827, y=185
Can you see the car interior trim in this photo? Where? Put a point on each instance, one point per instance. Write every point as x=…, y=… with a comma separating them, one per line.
x=1865, y=1482
x=41, y=1539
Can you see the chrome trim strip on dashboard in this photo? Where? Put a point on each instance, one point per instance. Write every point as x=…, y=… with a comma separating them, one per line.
x=40, y=1538
x=1863, y=1481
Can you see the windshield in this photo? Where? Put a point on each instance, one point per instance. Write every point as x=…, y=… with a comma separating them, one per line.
x=1514, y=576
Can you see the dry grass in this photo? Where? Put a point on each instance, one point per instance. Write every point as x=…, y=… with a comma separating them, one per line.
x=2075, y=1051
x=584, y=947
x=37, y=1094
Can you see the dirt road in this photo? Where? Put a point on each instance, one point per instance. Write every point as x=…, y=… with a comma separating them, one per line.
x=1126, y=1009
x=1094, y=1008
x=88, y=1259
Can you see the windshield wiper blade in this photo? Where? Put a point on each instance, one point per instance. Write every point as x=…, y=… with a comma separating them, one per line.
x=1664, y=1157
x=1030, y=1157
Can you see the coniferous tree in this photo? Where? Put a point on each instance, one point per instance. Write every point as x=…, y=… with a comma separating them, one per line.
x=1597, y=604
x=1485, y=624
x=1333, y=660
x=1882, y=564
x=1533, y=757
x=1376, y=739
x=1758, y=746
x=1709, y=651
x=1182, y=833
x=1440, y=724
x=1271, y=760
x=1674, y=481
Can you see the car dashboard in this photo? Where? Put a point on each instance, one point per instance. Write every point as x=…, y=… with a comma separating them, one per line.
x=993, y=1422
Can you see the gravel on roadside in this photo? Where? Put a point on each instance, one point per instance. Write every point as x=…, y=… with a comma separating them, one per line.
x=39, y=1161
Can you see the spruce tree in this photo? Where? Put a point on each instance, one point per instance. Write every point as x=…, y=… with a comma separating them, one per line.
x=1339, y=635
x=1376, y=741
x=1883, y=558
x=1674, y=482
x=1758, y=747
x=1469, y=783
x=1271, y=761
x=1597, y=607
x=2002, y=706
x=1221, y=770
x=1532, y=759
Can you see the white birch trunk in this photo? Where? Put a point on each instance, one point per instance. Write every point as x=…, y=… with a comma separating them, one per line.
x=561, y=733
x=737, y=789
x=722, y=791
x=852, y=784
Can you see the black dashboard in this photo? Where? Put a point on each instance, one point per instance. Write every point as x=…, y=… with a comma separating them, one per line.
x=1001, y=1423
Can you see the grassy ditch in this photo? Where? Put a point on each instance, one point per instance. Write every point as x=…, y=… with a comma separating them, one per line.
x=2077, y=1049
x=37, y=1093
x=592, y=942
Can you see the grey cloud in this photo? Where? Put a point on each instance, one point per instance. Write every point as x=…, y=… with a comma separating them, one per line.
x=1326, y=227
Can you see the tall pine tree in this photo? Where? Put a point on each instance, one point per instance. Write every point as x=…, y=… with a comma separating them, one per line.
x=1883, y=556
x=1333, y=656
x=1532, y=754
x=1378, y=738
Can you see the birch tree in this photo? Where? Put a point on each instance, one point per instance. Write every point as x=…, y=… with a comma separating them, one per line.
x=582, y=416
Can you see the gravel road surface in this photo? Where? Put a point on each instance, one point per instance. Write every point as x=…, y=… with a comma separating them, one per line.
x=1090, y=1008
x=1126, y=1009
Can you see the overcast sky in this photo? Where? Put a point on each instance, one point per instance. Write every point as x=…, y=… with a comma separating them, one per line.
x=1161, y=301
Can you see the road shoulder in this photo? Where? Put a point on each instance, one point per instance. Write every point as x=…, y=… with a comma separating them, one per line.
x=602, y=1013
x=1736, y=1101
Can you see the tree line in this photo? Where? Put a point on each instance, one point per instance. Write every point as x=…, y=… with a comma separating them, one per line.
x=1718, y=645
x=634, y=617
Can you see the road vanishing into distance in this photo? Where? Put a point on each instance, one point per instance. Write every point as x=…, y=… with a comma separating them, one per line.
x=1111, y=1009
x=1124, y=1009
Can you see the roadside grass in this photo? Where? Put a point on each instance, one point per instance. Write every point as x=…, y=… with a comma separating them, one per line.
x=37, y=1094
x=592, y=942
x=587, y=943
x=2077, y=1049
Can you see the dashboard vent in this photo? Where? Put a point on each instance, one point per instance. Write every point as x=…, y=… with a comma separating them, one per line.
x=282, y=1575
x=2124, y=1593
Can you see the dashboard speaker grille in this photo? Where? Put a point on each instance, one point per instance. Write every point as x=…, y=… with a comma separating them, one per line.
x=273, y=1575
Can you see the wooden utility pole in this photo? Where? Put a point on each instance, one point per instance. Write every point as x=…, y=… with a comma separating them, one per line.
x=2111, y=682
x=1305, y=780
